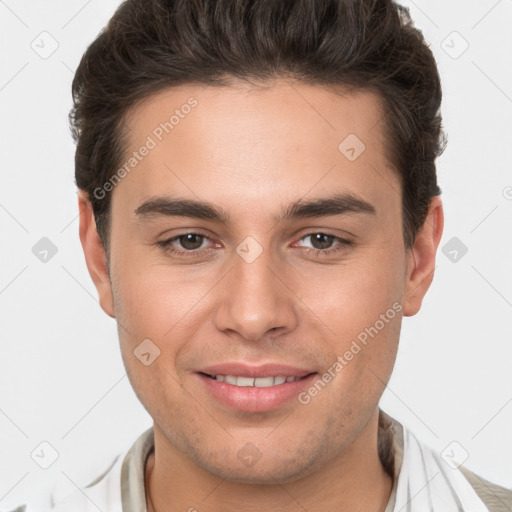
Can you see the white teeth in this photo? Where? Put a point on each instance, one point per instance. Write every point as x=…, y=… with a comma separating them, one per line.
x=245, y=381
x=230, y=379
x=264, y=382
x=258, y=382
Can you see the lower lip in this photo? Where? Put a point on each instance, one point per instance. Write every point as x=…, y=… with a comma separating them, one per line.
x=253, y=399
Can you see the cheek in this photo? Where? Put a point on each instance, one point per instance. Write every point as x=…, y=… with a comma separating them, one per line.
x=158, y=310
x=148, y=311
x=361, y=305
x=151, y=299
x=352, y=296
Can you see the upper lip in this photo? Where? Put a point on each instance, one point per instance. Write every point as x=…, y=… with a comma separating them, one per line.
x=265, y=370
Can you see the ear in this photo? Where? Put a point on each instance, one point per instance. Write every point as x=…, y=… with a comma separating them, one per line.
x=421, y=258
x=94, y=253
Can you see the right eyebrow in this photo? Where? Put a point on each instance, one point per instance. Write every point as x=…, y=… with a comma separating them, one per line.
x=167, y=206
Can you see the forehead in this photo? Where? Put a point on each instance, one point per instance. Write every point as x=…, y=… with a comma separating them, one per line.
x=214, y=142
x=295, y=111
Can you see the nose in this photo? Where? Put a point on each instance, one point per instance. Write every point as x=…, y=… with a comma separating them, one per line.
x=256, y=301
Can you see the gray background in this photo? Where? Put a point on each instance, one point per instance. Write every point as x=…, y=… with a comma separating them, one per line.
x=61, y=374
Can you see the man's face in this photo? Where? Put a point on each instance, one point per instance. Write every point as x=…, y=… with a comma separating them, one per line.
x=259, y=294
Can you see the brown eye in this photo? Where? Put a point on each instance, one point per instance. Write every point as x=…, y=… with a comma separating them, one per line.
x=321, y=241
x=186, y=245
x=191, y=241
x=324, y=244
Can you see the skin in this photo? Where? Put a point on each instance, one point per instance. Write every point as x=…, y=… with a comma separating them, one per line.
x=252, y=152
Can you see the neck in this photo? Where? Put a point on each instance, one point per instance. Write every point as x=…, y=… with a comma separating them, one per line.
x=353, y=481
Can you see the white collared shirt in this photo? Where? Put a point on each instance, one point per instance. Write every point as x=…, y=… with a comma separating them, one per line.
x=423, y=481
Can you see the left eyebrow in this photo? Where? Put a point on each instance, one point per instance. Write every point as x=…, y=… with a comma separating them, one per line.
x=337, y=204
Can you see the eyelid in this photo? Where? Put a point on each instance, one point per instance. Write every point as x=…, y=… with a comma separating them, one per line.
x=173, y=239
x=331, y=231
x=342, y=242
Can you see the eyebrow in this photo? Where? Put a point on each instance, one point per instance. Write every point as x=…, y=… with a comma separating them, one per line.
x=337, y=204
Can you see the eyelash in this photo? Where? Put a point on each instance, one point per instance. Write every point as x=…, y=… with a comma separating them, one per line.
x=166, y=245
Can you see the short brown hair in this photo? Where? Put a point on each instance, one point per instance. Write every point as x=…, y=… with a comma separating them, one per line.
x=151, y=45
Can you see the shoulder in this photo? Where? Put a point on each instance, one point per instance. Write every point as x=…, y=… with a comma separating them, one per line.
x=413, y=458
x=495, y=497
x=121, y=482
x=103, y=493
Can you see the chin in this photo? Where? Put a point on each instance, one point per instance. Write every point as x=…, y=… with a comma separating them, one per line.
x=268, y=475
x=262, y=472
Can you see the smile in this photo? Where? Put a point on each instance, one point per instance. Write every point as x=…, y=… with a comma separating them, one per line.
x=257, y=382
x=257, y=389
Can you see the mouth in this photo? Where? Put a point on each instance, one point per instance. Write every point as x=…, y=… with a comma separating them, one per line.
x=257, y=382
x=255, y=389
